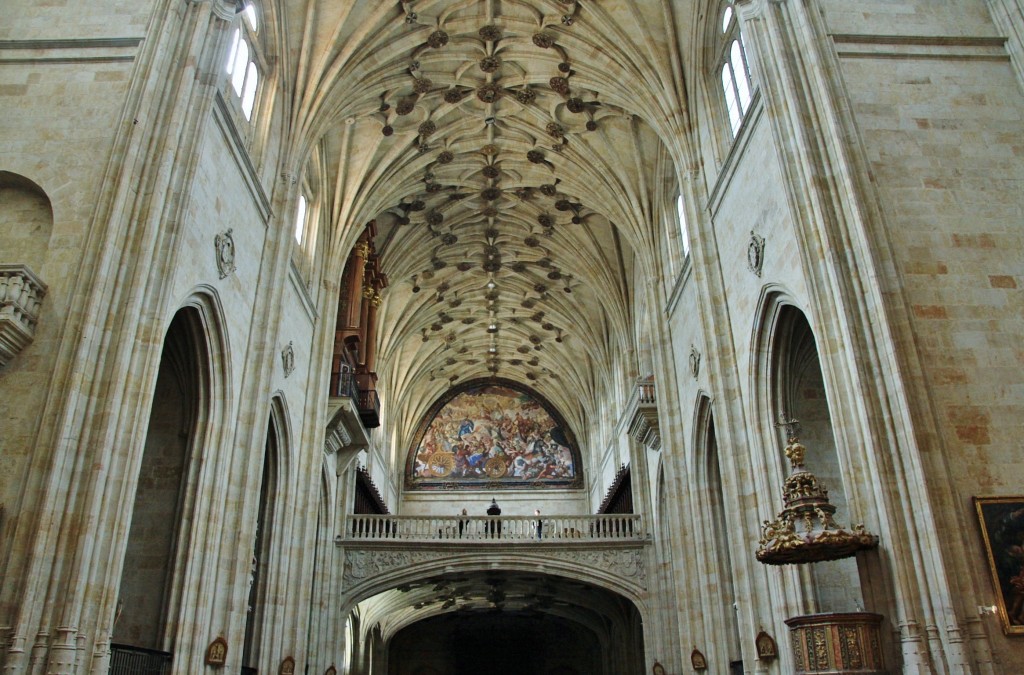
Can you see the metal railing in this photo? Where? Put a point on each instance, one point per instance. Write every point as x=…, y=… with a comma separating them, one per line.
x=343, y=383
x=128, y=660
x=472, y=529
x=368, y=404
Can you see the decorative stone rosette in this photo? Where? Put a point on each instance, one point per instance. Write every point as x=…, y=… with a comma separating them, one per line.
x=805, y=531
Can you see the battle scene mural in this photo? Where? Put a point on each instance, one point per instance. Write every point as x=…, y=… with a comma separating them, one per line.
x=495, y=436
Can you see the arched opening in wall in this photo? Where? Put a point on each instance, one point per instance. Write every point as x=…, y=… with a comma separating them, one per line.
x=799, y=392
x=146, y=614
x=721, y=593
x=258, y=609
x=26, y=220
x=507, y=623
x=316, y=639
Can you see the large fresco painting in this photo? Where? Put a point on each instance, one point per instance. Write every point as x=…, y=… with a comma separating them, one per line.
x=494, y=436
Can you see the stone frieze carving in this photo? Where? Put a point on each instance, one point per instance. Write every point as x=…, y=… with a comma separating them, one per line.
x=625, y=563
x=362, y=564
x=628, y=563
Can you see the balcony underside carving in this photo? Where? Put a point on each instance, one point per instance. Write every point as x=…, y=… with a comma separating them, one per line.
x=21, y=295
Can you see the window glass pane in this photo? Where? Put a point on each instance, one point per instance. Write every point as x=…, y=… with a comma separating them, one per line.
x=300, y=219
x=739, y=69
x=683, y=230
x=250, y=16
x=234, y=50
x=252, y=78
x=726, y=18
x=238, y=70
x=730, y=99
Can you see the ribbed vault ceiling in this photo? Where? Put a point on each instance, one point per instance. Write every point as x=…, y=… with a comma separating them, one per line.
x=507, y=152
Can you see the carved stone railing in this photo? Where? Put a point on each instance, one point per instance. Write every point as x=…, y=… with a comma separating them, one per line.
x=382, y=551
x=474, y=530
x=21, y=294
x=641, y=415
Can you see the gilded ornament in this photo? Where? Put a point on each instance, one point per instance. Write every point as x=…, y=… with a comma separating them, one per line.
x=554, y=129
x=545, y=220
x=535, y=156
x=490, y=194
x=549, y=189
x=387, y=130
x=489, y=212
x=591, y=125
x=453, y=96
x=422, y=85
x=564, y=67
x=445, y=157
x=574, y=104
x=489, y=149
x=805, y=530
x=435, y=218
x=491, y=171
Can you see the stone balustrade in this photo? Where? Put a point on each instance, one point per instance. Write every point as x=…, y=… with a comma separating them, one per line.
x=472, y=530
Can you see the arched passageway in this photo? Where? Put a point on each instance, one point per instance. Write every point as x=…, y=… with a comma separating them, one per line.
x=501, y=623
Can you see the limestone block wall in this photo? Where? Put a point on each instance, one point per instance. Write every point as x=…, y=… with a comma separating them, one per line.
x=941, y=115
x=64, y=104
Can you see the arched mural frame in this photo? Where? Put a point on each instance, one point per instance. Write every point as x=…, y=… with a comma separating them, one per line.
x=487, y=483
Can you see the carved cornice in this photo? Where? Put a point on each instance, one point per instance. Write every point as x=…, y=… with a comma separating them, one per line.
x=21, y=295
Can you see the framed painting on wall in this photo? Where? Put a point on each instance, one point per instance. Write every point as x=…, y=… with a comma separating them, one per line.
x=1002, y=530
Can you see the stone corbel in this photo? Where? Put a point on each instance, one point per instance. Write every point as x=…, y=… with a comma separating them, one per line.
x=642, y=415
x=21, y=295
x=337, y=438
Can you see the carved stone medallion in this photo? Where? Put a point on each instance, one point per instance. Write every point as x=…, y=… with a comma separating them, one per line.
x=755, y=253
x=224, y=244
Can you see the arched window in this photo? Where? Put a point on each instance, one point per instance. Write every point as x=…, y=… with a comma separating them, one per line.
x=241, y=65
x=300, y=220
x=684, y=234
x=733, y=69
